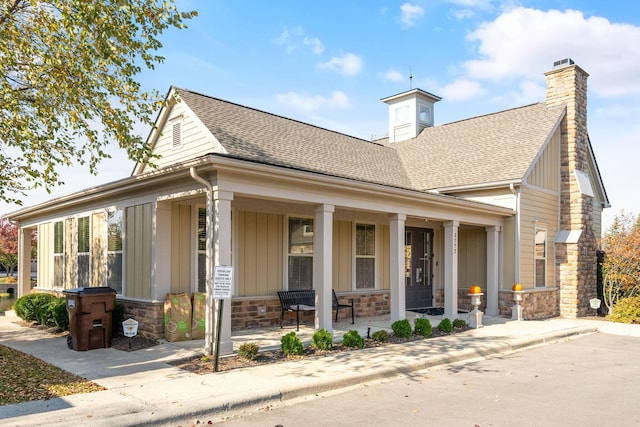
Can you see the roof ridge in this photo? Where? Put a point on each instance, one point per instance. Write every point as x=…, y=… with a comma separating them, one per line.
x=490, y=114
x=277, y=115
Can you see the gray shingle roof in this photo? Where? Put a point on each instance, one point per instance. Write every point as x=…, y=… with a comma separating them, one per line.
x=490, y=148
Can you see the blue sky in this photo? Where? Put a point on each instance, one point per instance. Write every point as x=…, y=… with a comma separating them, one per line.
x=330, y=62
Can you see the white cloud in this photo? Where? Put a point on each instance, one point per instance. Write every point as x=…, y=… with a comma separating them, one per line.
x=316, y=45
x=410, y=13
x=525, y=42
x=347, y=65
x=293, y=38
x=310, y=103
x=392, y=75
x=462, y=89
x=461, y=14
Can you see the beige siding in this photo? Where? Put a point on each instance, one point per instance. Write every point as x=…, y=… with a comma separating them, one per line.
x=70, y=253
x=509, y=253
x=383, y=258
x=138, y=251
x=195, y=142
x=260, y=251
x=472, y=257
x=98, y=249
x=538, y=209
x=342, y=256
x=546, y=171
x=181, y=248
x=45, y=255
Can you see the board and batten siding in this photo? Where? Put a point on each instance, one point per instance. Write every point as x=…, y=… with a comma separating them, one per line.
x=509, y=253
x=342, y=255
x=538, y=209
x=472, y=257
x=98, y=249
x=546, y=171
x=45, y=255
x=181, y=248
x=138, y=232
x=70, y=253
x=259, y=266
x=195, y=142
x=383, y=259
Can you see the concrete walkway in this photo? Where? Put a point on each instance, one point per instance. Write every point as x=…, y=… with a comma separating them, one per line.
x=143, y=389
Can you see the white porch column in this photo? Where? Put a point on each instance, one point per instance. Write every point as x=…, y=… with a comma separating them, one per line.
x=451, y=269
x=493, y=269
x=222, y=256
x=323, y=266
x=24, y=262
x=396, y=266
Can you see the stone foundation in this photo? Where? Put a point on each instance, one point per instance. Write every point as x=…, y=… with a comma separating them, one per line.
x=150, y=317
x=536, y=304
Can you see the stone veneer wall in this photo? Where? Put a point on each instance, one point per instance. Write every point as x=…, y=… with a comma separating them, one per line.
x=149, y=315
x=576, y=262
x=249, y=313
x=464, y=300
x=538, y=304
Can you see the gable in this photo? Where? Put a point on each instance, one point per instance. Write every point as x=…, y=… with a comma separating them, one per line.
x=179, y=136
x=545, y=170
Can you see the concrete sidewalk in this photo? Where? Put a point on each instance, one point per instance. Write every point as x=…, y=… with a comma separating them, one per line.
x=143, y=389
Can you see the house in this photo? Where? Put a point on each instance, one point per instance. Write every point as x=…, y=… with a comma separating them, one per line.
x=406, y=222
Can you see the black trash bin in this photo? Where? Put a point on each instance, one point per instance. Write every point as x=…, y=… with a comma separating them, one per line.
x=90, y=316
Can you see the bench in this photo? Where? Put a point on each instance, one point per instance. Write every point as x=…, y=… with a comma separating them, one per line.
x=305, y=300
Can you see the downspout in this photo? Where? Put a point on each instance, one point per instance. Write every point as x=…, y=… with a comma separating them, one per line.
x=516, y=193
x=208, y=334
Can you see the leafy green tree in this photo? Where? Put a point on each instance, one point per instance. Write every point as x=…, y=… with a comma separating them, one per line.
x=68, y=85
x=621, y=265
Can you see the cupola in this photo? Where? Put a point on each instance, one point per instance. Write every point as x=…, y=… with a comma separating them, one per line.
x=409, y=113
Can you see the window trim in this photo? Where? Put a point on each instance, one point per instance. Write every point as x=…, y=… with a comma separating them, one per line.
x=539, y=228
x=61, y=254
x=356, y=256
x=287, y=245
x=109, y=213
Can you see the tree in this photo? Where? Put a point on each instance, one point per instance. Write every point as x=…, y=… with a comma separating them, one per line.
x=621, y=265
x=68, y=84
x=8, y=246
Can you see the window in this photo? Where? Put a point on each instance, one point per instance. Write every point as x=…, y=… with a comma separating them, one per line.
x=541, y=258
x=84, y=252
x=300, y=268
x=424, y=114
x=114, y=250
x=402, y=114
x=202, y=250
x=365, y=256
x=58, y=254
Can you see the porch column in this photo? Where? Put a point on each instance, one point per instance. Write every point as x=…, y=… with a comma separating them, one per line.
x=451, y=269
x=161, y=251
x=396, y=266
x=493, y=269
x=323, y=266
x=222, y=256
x=24, y=261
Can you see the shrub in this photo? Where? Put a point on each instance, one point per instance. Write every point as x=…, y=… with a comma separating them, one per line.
x=59, y=313
x=626, y=310
x=423, y=327
x=445, y=326
x=32, y=307
x=353, y=339
x=459, y=323
x=291, y=345
x=44, y=315
x=117, y=317
x=380, y=336
x=322, y=340
x=248, y=350
x=401, y=328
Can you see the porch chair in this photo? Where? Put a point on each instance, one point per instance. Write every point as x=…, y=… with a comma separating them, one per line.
x=337, y=306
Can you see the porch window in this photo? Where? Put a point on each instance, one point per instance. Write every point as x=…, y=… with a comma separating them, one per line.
x=365, y=256
x=58, y=254
x=202, y=250
x=300, y=268
x=114, y=250
x=541, y=257
x=84, y=252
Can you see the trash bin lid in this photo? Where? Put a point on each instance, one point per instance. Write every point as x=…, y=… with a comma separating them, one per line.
x=93, y=290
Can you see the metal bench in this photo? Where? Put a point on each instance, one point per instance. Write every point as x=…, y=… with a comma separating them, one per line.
x=305, y=300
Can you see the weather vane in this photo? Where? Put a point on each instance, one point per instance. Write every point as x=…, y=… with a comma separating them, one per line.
x=410, y=79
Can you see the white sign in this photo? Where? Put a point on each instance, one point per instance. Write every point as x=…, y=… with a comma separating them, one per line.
x=222, y=281
x=130, y=328
x=595, y=303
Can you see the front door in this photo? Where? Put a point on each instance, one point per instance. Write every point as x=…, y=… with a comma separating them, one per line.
x=418, y=244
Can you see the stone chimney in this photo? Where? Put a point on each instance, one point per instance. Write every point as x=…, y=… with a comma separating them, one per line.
x=409, y=113
x=576, y=243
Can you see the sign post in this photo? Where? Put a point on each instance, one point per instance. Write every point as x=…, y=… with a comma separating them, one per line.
x=130, y=329
x=222, y=283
